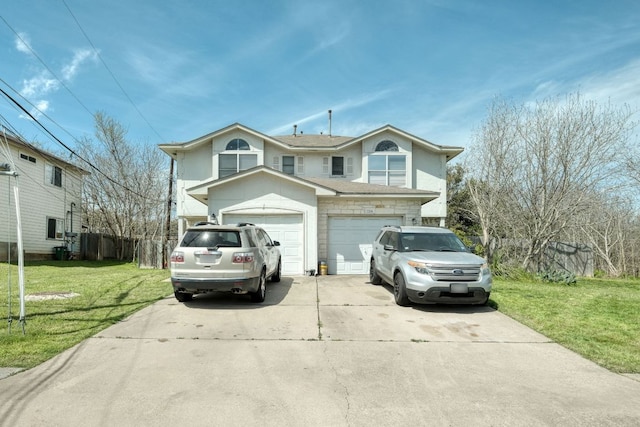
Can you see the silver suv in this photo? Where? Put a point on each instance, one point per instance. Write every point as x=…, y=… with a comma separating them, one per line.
x=224, y=258
x=428, y=265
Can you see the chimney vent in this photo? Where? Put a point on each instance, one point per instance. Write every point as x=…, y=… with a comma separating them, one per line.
x=295, y=129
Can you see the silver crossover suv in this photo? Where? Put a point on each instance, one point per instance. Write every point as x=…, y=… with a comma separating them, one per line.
x=224, y=258
x=428, y=265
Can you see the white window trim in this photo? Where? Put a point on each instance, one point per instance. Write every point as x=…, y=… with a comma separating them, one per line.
x=388, y=171
x=49, y=172
x=59, y=231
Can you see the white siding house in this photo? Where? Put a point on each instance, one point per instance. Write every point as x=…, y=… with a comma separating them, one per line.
x=49, y=191
x=323, y=197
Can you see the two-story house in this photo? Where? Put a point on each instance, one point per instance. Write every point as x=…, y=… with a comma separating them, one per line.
x=323, y=197
x=49, y=195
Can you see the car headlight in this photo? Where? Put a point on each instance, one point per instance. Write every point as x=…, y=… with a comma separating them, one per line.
x=420, y=267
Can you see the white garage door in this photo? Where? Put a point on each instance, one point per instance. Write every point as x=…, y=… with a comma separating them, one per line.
x=351, y=240
x=286, y=229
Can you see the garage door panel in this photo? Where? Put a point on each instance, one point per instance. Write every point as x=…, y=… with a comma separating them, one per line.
x=286, y=229
x=351, y=241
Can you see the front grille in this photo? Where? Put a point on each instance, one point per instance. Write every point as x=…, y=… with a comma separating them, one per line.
x=455, y=273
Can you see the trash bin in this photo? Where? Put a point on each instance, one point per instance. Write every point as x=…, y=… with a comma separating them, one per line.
x=323, y=268
x=60, y=252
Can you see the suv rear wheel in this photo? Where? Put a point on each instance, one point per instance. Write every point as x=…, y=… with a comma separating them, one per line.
x=259, y=295
x=373, y=274
x=183, y=296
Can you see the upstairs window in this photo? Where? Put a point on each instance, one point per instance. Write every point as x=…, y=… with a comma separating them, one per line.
x=387, y=145
x=27, y=158
x=337, y=166
x=388, y=170
x=233, y=160
x=288, y=165
x=53, y=175
x=237, y=144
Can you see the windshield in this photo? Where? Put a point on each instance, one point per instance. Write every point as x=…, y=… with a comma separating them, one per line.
x=211, y=239
x=431, y=242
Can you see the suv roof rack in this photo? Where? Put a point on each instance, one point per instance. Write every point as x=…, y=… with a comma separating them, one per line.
x=242, y=224
x=199, y=223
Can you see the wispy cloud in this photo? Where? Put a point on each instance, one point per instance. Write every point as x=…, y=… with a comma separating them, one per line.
x=343, y=106
x=44, y=82
x=80, y=57
x=39, y=85
x=22, y=43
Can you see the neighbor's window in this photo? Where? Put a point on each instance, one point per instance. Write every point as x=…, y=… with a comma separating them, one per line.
x=55, y=228
x=27, y=158
x=53, y=175
x=233, y=160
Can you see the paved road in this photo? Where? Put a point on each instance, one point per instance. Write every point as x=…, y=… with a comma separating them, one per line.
x=321, y=351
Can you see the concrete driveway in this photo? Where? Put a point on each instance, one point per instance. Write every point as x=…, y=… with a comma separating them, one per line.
x=321, y=351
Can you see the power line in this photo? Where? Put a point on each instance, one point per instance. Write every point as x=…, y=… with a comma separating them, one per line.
x=113, y=181
x=111, y=73
x=33, y=52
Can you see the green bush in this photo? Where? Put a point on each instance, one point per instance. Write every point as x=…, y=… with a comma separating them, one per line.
x=558, y=276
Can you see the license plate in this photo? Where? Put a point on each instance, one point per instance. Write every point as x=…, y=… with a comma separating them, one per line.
x=459, y=288
x=207, y=257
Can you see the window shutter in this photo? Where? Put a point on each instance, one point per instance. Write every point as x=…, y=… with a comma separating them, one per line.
x=325, y=165
x=301, y=165
x=276, y=163
x=349, y=166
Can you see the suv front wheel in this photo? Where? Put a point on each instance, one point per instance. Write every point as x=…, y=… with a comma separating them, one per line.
x=400, y=290
x=275, y=277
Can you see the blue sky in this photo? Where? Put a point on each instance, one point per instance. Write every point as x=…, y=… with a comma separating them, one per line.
x=176, y=70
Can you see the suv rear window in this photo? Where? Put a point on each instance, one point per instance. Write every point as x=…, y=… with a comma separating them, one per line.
x=211, y=238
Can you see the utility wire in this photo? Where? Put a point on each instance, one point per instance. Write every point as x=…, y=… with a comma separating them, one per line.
x=36, y=121
x=33, y=52
x=110, y=72
x=67, y=147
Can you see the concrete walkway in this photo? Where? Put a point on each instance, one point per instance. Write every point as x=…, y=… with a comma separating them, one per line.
x=321, y=351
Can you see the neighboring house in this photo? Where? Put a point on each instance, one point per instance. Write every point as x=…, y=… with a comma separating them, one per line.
x=323, y=197
x=49, y=190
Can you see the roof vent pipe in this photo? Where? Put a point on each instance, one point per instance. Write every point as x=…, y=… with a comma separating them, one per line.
x=295, y=129
x=329, y=122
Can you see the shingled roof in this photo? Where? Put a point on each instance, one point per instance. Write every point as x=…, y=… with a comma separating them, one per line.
x=320, y=141
x=349, y=187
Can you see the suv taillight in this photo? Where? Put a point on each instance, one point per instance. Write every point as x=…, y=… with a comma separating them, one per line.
x=177, y=257
x=242, y=257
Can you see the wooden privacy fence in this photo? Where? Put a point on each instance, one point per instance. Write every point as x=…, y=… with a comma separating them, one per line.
x=98, y=247
x=150, y=253
x=576, y=258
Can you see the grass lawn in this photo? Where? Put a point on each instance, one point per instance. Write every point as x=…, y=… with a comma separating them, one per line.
x=597, y=318
x=107, y=291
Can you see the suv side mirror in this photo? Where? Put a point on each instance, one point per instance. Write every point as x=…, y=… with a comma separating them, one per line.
x=389, y=248
x=276, y=243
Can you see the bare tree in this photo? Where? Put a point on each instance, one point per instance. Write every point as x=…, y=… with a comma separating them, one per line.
x=534, y=167
x=125, y=194
x=610, y=227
